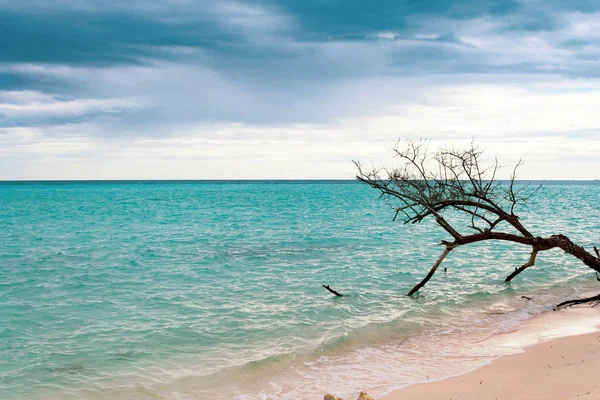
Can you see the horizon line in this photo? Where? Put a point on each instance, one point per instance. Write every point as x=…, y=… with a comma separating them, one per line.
x=259, y=180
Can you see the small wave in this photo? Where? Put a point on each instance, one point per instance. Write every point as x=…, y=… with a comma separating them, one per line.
x=71, y=369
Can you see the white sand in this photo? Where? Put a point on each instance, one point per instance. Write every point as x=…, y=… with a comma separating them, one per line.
x=557, y=368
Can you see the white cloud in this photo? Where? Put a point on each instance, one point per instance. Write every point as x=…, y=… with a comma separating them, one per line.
x=583, y=26
x=426, y=36
x=309, y=116
x=386, y=35
x=30, y=104
x=253, y=19
x=23, y=96
x=552, y=127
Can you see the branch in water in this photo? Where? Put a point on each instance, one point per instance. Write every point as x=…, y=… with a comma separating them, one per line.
x=332, y=291
x=570, y=303
x=456, y=181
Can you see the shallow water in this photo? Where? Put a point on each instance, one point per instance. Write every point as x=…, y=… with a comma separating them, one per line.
x=213, y=290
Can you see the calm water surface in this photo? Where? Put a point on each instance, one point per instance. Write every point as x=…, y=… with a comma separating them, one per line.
x=212, y=290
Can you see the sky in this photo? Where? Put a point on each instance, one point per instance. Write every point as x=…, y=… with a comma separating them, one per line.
x=293, y=89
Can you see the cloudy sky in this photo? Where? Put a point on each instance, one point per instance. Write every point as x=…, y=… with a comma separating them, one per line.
x=218, y=89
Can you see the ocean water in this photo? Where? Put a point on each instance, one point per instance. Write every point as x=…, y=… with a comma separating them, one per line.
x=212, y=290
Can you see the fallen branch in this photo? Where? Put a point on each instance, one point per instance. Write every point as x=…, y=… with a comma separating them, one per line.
x=448, y=249
x=451, y=180
x=570, y=303
x=332, y=291
x=517, y=271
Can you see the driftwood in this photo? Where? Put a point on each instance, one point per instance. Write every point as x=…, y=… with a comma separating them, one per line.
x=594, y=299
x=431, y=185
x=332, y=291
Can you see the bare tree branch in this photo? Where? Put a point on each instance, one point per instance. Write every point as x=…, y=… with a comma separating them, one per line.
x=570, y=303
x=456, y=181
x=529, y=263
x=447, y=250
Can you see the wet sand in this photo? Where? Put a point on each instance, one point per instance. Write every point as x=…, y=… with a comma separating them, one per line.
x=560, y=367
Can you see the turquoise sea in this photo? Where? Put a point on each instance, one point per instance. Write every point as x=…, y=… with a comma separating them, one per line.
x=212, y=290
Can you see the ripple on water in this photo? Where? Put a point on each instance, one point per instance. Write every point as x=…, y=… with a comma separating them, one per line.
x=185, y=291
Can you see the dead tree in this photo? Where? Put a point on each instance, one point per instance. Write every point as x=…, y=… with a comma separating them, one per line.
x=431, y=185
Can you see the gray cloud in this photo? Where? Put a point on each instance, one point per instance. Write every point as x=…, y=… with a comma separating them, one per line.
x=96, y=70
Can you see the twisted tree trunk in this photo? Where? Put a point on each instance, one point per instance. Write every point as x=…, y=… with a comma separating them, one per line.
x=426, y=185
x=537, y=243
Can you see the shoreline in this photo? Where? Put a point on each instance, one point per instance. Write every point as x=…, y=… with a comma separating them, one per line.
x=555, y=356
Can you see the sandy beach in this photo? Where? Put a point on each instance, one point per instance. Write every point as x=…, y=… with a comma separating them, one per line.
x=559, y=368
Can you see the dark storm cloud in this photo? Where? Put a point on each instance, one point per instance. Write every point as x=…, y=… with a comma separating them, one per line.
x=272, y=61
x=105, y=33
